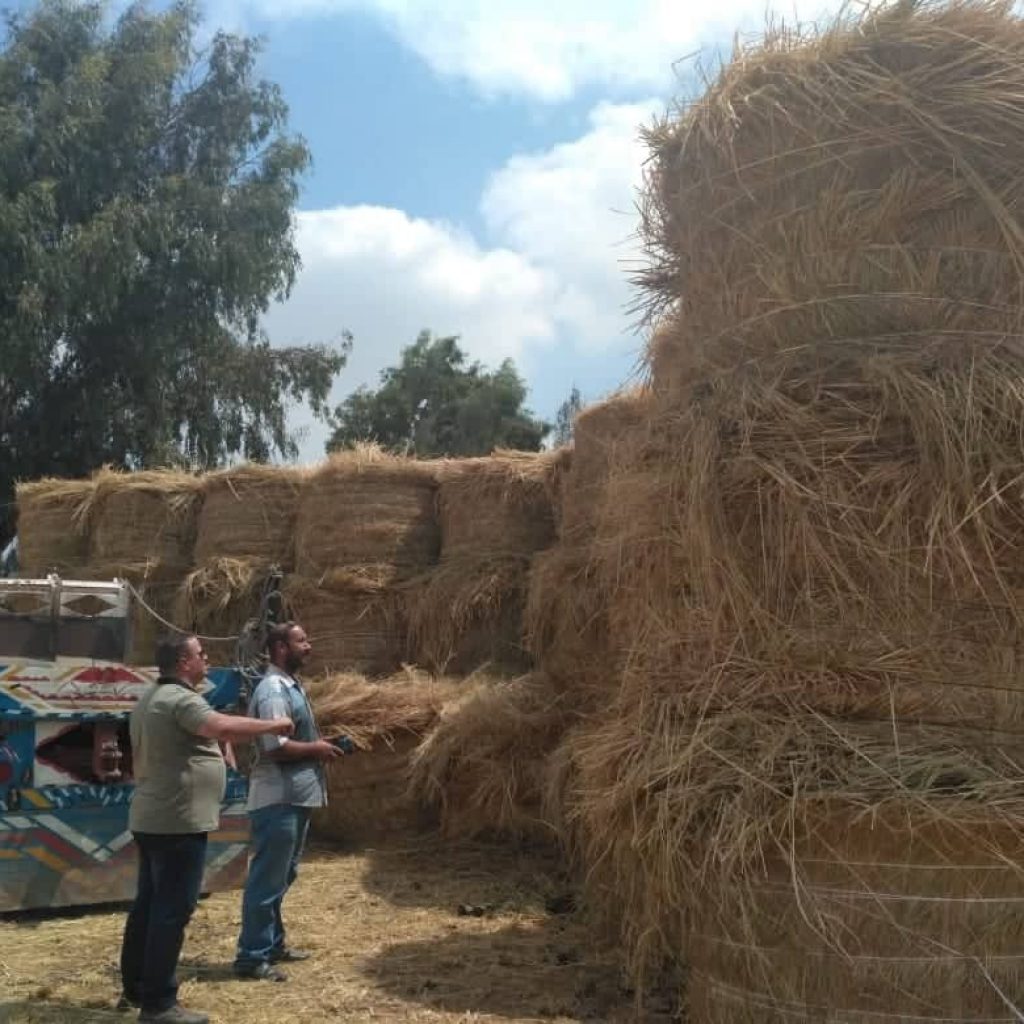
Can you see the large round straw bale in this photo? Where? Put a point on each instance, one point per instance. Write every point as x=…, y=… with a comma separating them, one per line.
x=483, y=766
x=367, y=507
x=144, y=517
x=501, y=503
x=902, y=912
x=855, y=187
x=248, y=512
x=52, y=528
x=718, y=798
x=353, y=627
x=467, y=613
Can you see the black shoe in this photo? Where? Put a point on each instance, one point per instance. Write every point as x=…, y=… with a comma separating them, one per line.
x=262, y=971
x=125, y=1003
x=287, y=955
x=173, y=1015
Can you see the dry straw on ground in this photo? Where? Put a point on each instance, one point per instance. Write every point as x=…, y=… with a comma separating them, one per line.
x=483, y=766
x=52, y=531
x=366, y=507
x=467, y=613
x=249, y=512
x=141, y=517
x=503, y=503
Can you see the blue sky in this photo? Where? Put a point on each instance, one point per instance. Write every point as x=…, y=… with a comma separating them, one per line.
x=475, y=172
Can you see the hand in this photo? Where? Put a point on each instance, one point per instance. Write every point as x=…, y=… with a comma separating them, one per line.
x=281, y=726
x=325, y=750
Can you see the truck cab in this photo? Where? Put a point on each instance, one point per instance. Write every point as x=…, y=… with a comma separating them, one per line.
x=66, y=692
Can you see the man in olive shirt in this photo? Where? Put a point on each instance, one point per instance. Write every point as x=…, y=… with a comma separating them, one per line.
x=179, y=784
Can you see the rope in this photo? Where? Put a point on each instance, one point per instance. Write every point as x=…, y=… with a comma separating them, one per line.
x=173, y=626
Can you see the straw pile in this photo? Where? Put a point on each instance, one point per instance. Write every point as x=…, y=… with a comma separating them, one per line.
x=807, y=552
x=218, y=599
x=367, y=508
x=484, y=768
x=51, y=526
x=368, y=791
x=249, y=512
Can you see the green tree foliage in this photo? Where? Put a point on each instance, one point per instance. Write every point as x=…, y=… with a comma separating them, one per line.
x=146, y=196
x=435, y=403
x=565, y=418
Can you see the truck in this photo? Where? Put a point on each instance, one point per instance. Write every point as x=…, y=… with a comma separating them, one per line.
x=66, y=691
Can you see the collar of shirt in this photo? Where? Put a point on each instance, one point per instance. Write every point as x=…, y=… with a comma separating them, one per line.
x=290, y=681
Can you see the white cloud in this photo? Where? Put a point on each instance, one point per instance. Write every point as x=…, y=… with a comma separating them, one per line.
x=549, y=50
x=549, y=278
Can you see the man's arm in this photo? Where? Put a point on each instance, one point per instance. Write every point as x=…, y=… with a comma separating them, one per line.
x=228, y=728
x=296, y=750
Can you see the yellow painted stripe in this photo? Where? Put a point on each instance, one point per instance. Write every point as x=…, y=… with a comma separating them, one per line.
x=36, y=799
x=10, y=855
x=50, y=859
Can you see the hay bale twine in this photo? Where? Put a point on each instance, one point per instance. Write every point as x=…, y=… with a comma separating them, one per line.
x=367, y=507
x=353, y=624
x=468, y=613
x=145, y=517
x=897, y=914
x=501, y=503
x=248, y=512
x=52, y=527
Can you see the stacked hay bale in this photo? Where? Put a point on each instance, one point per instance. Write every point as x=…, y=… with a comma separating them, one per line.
x=806, y=779
x=566, y=629
x=245, y=529
x=495, y=513
x=483, y=768
x=52, y=526
x=369, y=794
x=141, y=528
x=366, y=522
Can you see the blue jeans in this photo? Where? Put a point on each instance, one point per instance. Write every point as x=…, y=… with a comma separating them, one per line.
x=170, y=879
x=278, y=836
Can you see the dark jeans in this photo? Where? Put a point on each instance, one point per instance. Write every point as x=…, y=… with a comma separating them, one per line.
x=278, y=836
x=170, y=879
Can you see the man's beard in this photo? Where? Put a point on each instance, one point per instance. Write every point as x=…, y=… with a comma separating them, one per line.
x=293, y=662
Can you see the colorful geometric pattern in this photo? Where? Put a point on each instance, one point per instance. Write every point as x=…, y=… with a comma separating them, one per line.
x=87, y=855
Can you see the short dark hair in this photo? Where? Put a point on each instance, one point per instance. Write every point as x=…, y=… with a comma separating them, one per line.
x=279, y=633
x=170, y=650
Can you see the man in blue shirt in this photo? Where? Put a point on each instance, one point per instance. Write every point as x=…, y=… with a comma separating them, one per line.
x=286, y=783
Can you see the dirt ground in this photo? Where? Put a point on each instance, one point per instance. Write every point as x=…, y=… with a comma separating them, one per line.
x=425, y=933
